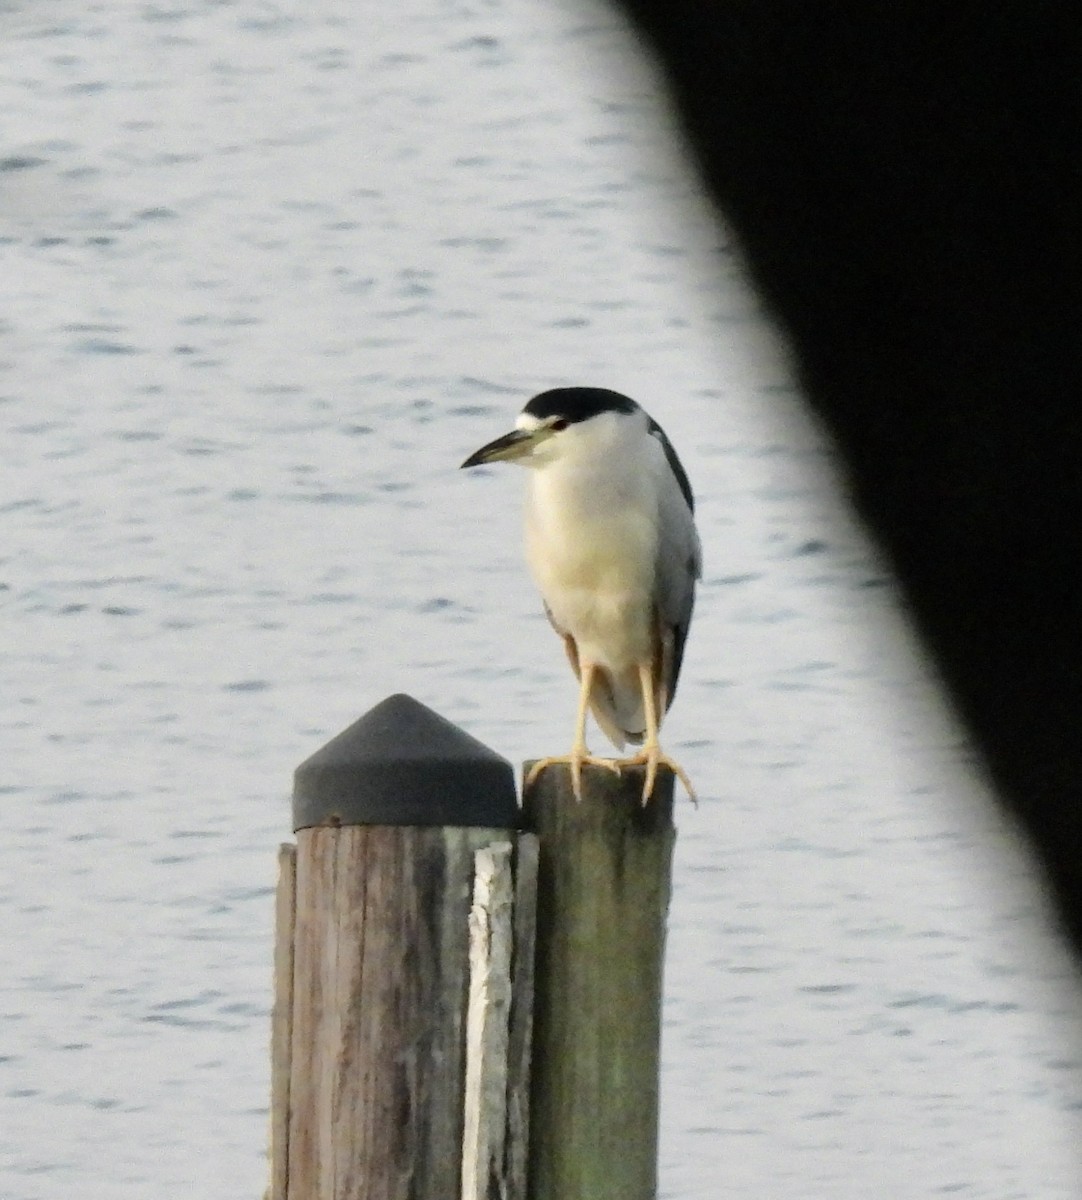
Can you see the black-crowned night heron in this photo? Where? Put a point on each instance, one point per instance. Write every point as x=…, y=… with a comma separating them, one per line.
x=611, y=543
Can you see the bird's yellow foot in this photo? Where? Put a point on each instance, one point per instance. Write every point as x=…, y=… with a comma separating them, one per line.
x=652, y=757
x=578, y=757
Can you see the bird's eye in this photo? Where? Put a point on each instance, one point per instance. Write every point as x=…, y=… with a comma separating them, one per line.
x=558, y=424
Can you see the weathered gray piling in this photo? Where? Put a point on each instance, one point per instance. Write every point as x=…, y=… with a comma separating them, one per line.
x=373, y=963
x=603, y=896
x=467, y=998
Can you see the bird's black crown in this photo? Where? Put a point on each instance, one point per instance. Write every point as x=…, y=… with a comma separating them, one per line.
x=576, y=404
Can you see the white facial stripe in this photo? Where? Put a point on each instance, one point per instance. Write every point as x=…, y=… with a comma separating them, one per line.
x=527, y=422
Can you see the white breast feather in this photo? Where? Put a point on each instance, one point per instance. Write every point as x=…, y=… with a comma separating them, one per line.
x=591, y=540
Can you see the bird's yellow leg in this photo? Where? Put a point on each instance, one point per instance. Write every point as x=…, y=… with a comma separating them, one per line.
x=651, y=754
x=579, y=751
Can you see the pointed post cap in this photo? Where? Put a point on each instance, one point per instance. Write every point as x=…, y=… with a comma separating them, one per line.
x=403, y=764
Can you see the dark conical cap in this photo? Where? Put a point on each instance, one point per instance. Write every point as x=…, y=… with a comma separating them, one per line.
x=403, y=764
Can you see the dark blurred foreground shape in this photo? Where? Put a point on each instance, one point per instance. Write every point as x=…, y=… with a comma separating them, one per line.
x=905, y=180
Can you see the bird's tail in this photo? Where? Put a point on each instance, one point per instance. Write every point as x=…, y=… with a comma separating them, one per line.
x=616, y=703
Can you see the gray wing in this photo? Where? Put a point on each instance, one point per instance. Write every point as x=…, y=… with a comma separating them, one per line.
x=677, y=567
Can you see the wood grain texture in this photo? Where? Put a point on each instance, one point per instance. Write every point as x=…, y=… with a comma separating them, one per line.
x=380, y=987
x=282, y=1019
x=603, y=896
x=520, y=1030
x=487, y=1017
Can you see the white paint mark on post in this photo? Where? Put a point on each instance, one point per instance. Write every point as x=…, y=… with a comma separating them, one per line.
x=487, y=1024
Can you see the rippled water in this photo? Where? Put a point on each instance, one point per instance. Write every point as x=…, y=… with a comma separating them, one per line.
x=268, y=277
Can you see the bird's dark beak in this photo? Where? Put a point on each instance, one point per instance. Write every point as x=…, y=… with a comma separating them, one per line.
x=516, y=444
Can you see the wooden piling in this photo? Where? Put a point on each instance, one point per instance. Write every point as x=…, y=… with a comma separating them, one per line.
x=603, y=895
x=380, y=984
x=390, y=817
x=464, y=1009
